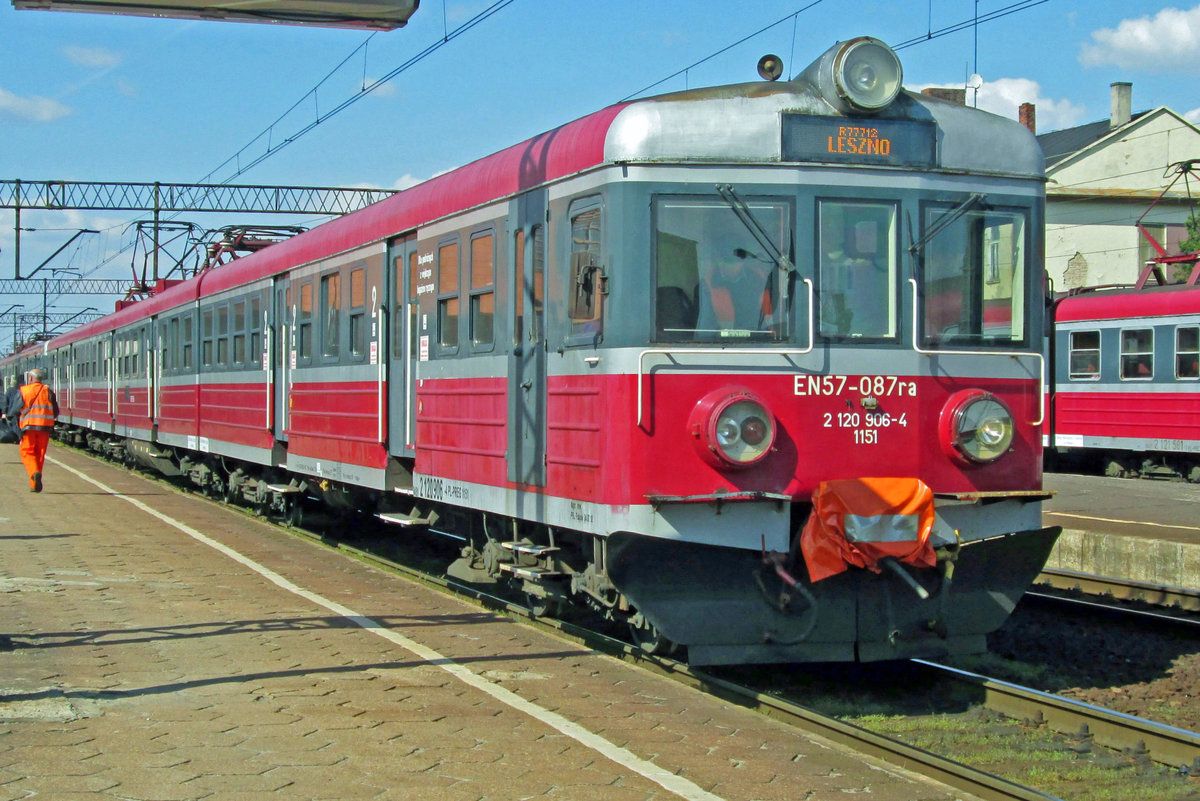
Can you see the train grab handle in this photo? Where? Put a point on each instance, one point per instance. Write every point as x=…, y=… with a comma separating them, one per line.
x=714, y=351
x=1041, y=359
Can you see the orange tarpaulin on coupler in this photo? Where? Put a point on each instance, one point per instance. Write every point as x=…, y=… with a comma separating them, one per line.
x=859, y=521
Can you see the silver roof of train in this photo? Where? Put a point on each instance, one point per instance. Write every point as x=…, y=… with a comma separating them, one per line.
x=741, y=123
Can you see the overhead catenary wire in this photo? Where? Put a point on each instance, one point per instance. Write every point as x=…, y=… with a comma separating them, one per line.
x=365, y=90
x=724, y=49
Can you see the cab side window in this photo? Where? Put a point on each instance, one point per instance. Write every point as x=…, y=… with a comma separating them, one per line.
x=587, y=281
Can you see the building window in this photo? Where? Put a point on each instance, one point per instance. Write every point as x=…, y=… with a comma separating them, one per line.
x=483, y=294
x=1187, y=352
x=1137, y=354
x=447, y=317
x=1084, y=360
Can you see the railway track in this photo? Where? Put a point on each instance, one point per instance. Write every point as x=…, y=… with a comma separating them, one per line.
x=1166, y=745
x=1122, y=589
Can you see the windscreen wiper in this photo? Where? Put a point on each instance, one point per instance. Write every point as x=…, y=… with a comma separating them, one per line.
x=756, y=229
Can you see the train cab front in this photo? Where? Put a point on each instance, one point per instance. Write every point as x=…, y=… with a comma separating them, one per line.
x=838, y=415
x=807, y=543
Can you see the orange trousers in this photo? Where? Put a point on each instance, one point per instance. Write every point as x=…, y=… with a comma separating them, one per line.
x=33, y=451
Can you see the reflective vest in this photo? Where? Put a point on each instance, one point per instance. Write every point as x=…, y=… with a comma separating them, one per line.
x=38, y=411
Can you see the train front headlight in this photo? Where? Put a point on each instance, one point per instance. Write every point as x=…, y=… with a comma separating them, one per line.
x=977, y=426
x=867, y=74
x=733, y=428
x=860, y=76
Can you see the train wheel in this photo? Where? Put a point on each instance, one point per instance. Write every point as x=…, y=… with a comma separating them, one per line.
x=1117, y=468
x=542, y=606
x=647, y=637
x=1193, y=475
x=294, y=514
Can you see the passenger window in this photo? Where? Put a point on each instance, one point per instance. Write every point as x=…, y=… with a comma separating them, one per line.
x=1137, y=354
x=223, y=336
x=304, y=334
x=206, y=338
x=1084, y=358
x=587, y=278
x=358, y=312
x=483, y=294
x=856, y=271
x=255, y=324
x=239, y=334
x=1187, y=352
x=331, y=306
x=188, y=338
x=447, y=316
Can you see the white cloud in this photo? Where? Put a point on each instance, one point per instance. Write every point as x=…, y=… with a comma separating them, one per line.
x=94, y=57
x=1193, y=116
x=1166, y=42
x=385, y=90
x=1004, y=97
x=408, y=180
x=38, y=109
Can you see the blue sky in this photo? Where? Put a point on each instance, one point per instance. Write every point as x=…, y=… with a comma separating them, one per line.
x=93, y=97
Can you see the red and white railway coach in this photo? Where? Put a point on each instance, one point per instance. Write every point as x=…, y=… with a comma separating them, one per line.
x=1127, y=380
x=755, y=367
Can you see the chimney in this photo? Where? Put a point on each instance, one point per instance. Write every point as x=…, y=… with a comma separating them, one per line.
x=956, y=96
x=1027, y=114
x=1122, y=105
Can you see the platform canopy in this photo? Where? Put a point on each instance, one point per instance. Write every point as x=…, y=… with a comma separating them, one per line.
x=371, y=14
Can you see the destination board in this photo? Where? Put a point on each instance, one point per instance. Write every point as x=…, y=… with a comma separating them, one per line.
x=896, y=143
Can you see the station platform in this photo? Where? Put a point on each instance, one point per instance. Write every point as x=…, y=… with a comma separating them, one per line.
x=165, y=647
x=1137, y=529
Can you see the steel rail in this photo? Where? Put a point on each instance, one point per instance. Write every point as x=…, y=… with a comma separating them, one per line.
x=1167, y=745
x=1124, y=589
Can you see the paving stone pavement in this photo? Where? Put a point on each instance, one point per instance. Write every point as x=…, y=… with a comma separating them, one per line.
x=149, y=665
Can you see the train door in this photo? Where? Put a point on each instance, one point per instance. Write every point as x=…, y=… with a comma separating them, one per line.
x=280, y=347
x=527, y=364
x=402, y=356
x=145, y=368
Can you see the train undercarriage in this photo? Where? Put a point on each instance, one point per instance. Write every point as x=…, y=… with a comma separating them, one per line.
x=724, y=605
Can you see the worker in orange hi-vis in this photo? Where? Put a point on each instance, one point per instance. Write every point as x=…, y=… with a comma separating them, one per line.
x=38, y=411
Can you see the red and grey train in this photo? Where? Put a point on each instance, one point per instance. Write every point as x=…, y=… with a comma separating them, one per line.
x=1126, y=362
x=755, y=368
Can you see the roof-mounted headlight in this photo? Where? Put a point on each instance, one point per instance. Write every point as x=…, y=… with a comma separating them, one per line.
x=862, y=75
